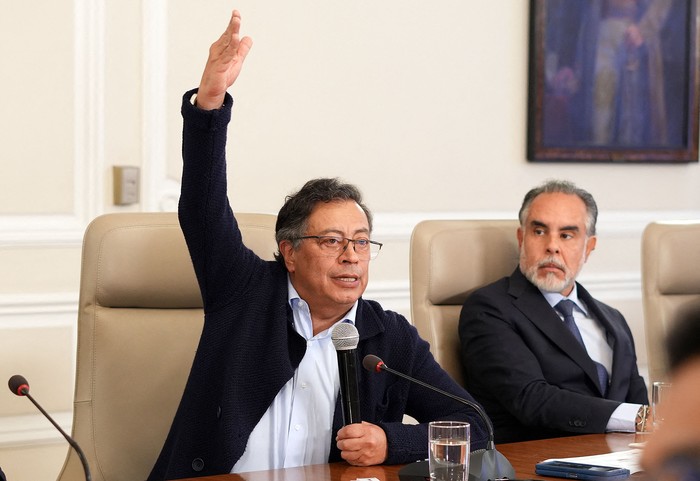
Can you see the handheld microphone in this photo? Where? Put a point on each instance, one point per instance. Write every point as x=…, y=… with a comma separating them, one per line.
x=484, y=464
x=345, y=338
x=19, y=386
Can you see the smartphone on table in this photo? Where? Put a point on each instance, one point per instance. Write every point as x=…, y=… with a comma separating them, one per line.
x=587, y=472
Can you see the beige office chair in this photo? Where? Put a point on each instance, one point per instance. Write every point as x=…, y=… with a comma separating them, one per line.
x=139, y=321
x=670, y=283
x=449, y=260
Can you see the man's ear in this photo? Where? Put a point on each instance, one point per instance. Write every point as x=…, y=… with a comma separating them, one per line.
x=287, y=251
x=590, y=245
x=519, y=234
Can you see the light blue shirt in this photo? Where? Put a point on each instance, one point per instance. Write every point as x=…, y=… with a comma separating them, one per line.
x=593, y=334
x=296, y=429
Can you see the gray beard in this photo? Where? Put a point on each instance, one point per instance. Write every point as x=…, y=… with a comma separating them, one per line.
x=550, y=283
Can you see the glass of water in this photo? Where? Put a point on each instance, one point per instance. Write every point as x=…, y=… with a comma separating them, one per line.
x=659, y=393
x=448, y=450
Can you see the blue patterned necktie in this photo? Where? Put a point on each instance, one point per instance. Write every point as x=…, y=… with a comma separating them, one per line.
x=566, y=308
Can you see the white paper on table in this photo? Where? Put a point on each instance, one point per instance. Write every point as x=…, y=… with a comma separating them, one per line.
x=620, y=459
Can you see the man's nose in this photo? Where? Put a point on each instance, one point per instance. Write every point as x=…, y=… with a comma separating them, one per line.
x=553, y=244
x=348, y=254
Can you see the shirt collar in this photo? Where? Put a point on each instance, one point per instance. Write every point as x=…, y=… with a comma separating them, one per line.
x=553, y=298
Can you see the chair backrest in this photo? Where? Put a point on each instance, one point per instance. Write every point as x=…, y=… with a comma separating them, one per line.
x=139, y=321
x=449, y=260
x=670, y=283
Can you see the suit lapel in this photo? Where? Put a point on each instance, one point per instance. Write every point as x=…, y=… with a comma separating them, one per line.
x=530, y=301
x=611, y=330
x=614, y=335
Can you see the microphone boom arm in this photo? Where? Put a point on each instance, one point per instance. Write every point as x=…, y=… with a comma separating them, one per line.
x=75, y=445
x=19, y=386
x=484, y=464
x=491, y=444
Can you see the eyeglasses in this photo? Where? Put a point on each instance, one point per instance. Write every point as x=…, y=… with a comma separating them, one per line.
x=334, y=246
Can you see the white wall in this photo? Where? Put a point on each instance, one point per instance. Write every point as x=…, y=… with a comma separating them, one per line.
x=421, y=104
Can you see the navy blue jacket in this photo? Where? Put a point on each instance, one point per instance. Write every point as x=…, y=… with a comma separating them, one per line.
x=249, y=349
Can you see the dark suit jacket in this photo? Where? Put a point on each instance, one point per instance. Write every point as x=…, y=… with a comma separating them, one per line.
x=529, y=372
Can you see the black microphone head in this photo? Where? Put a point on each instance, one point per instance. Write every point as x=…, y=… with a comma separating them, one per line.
x=345, y=336
x=18, y=385
x=372, y=363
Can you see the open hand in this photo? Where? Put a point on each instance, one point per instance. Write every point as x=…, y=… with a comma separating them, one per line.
x=226, y=57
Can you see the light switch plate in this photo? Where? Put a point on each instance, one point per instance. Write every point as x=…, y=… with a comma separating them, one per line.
x=126, y=184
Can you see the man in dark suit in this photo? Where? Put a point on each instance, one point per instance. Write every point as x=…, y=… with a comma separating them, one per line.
x=543, y=369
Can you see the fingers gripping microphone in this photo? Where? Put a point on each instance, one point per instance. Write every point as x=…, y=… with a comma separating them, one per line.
x=19, y=386
x=484, y=464
x=345, y=338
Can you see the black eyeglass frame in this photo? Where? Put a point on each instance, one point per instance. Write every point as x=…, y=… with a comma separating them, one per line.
x=372, y=255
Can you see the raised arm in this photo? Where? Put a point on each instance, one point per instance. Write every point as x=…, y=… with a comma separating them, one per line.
x=212, y=235
x=226, y=57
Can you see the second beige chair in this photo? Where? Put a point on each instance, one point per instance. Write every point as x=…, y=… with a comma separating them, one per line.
x=670, y=283
x=139, y=321
x=449, y=259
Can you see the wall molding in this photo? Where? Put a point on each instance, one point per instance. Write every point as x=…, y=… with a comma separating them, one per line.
x=161, y=193
x=37, y=312
x=89, y=104
x=50, y=303
x=67, y=231
x=33, y=429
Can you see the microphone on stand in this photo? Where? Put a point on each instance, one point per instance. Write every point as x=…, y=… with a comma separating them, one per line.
x=345, y=338
x=484, y=464
x=19, y=386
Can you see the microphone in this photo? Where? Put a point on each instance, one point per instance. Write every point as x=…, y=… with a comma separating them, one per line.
x=484, y=464
x=19, y=386
x=345, y=338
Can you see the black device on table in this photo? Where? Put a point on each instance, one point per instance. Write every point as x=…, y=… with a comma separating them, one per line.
x=587, y=472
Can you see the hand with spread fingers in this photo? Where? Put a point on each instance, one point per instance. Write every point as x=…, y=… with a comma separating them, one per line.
x=226, y=57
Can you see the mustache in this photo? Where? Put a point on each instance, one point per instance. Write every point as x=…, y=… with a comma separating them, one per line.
x=550, y=261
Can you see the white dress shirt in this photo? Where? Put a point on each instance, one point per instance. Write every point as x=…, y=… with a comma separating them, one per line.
x=296, y=429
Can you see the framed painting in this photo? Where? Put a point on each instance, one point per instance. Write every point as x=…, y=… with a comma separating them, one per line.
x=613, y=81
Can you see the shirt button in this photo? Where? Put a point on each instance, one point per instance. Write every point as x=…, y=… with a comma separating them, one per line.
x=297, y=427
x=304, y=385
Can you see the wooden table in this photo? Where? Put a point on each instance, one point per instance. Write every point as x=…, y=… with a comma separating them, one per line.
x=523, y=456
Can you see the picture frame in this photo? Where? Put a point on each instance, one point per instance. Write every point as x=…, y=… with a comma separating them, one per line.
x=613, y=81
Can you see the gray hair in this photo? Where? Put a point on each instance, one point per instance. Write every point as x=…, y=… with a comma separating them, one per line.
x=562, y=187
x=293, y=217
